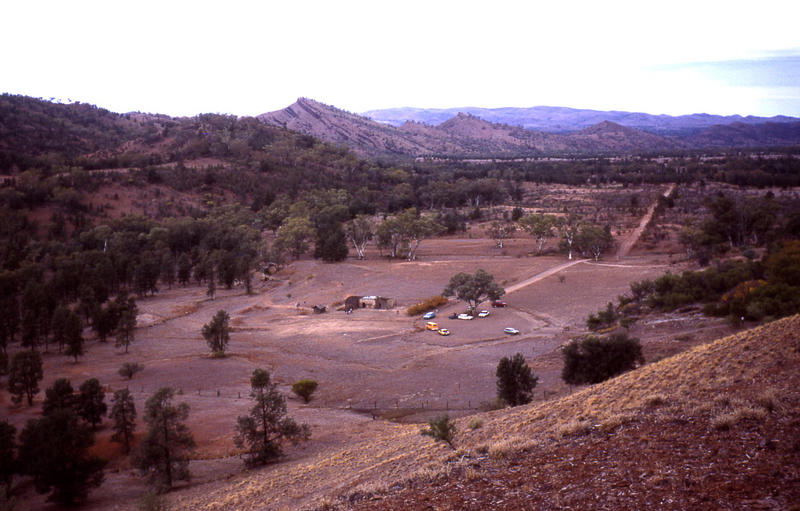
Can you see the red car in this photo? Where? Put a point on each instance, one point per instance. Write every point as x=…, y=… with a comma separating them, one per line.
x=498, y=303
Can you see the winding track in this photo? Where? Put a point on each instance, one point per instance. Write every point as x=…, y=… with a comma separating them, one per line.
x=623, y=251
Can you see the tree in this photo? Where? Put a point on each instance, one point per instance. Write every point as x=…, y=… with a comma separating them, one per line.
x=90, y=403
x=294, y=235
x=274, y=215
x=184, y=268
x=331, y=244
x=104, y=322
x=217, y=332
x=304, y=388
x=569, y=228
x=473, y=289
x=9, y=309
x=59, y=326
x=360, y=231
x=24, y=375
x=128, y=369
x=515, y=380
x=73, y=334
x=594, y=359
x=126, y=325
x=263, y=432
x=405, y=231
x=163, y=453
x=8, y=459
x=54, y=451
x=441, y=428
x=540, y=227
x=211, y=290
x=123, y=413
x=594, y=239
x=59, y=396
x=499, y=231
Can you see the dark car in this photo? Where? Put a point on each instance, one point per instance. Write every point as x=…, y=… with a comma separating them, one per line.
x=498, y=303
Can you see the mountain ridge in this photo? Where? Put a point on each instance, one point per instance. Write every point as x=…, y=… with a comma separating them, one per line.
x=468, y=135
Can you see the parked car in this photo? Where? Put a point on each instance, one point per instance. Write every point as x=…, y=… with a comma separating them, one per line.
x=444, y=331
x=431, y=325
x=464, y=316
x=453, y=316
x=498, y=303
x=429, y=315
x=511, y=330
x=483, y=313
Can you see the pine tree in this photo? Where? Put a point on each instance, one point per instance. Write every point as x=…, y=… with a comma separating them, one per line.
x=263, y=431
x=24, y=375
x=73, y=334
x=54, y=451
x=90, y=403
x=515, y=380
x=123, y=413
x=126, y=326
x=217, y=332
x=163, y=453
x=8, y=447
x=59, y=396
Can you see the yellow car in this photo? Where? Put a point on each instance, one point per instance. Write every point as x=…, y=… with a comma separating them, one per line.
x=431, y=325
x=444, y=331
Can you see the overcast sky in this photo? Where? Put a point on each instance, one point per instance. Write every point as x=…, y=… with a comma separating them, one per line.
x=247, y=58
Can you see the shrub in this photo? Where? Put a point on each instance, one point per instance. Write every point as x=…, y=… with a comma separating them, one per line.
x=495, y=404
x=595, y=359
x=304, y=388
x=441, y=428
x=129, y=369
x=430, y=304
x=603, y=318
x=475, y=423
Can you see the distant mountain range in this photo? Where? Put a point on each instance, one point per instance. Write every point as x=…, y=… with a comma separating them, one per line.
x=564, y=120
x=520, y=132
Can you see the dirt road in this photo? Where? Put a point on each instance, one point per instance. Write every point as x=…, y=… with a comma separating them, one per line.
x=543, y=275
x=627, y=245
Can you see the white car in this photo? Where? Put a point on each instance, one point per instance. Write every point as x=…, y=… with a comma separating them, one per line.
x=483, y=313
x=511, y=330
x=464, y=316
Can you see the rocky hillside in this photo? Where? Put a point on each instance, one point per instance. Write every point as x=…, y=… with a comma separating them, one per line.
x=471, y=136
x=711, y=428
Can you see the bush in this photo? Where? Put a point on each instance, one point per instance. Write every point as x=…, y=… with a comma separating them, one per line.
x=430, y=304
x=603, y=318
x=595, y=359
x=129, y=369
x=441, y=428
x=304, y=388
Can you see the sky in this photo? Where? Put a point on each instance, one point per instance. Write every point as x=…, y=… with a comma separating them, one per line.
x=247, y=58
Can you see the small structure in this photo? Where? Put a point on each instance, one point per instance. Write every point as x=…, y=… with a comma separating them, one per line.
x=368, y=302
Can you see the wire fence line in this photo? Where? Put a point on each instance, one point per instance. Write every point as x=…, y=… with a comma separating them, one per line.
x=400, y=405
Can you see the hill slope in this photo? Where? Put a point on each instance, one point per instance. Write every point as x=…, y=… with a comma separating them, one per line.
x=712, y=428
